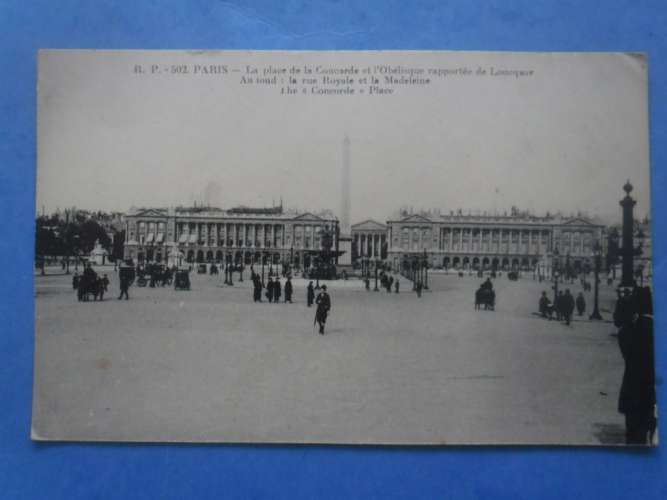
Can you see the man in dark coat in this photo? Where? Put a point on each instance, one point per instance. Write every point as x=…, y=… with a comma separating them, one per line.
x=545, y=306
x=567, y=306
x=635, y=338
x=277, y=290
x=269, y=289
x=75, y=281
x=581, y=304
x=310, y=294
x=126, y=277
x=257, y=287
x=558, y=306
x=323, y=302
x=288, y=291
x=396, y=285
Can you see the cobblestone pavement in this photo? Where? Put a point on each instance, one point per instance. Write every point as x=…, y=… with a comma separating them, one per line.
x=211, y=365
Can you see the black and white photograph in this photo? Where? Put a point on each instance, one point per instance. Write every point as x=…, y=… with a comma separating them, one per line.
x=375, y=247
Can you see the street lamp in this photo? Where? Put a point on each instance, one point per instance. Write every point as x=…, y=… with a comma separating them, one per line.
x=263, y=261
x=638, y=252
x=597, y=252
x=425, y=270
x=627, y=245
x=555, y=272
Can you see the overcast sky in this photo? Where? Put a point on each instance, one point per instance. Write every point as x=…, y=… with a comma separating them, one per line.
x=566, y=138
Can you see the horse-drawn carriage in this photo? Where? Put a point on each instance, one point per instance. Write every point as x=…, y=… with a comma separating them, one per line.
x=485, y=297
x=182, y=279
x=513, y=275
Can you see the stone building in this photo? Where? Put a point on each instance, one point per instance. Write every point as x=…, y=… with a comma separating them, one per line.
x=369, y=239
x=516, y=241
x=205, y=234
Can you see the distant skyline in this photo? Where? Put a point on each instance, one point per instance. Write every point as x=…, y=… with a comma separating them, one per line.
x=565, y=140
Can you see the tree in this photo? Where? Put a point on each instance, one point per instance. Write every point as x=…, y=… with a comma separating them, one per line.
x=117, y=246
x=90, y=232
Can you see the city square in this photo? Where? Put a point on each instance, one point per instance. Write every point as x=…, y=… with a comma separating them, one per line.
x=210, y=363
x=492, y=235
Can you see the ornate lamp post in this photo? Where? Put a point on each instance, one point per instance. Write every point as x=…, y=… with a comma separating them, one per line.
x=627, y=250
x=263, y=261
x=555, y=272
x=638, y=251
x=231, y=272
x=597, y=252
x=425, y=270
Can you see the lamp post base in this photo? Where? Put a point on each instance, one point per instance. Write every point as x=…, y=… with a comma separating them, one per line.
x=596, y=315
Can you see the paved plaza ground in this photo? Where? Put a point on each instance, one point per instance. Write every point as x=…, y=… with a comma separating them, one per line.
x=211, y=365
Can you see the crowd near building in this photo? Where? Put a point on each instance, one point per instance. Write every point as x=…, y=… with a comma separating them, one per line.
x=241, y=235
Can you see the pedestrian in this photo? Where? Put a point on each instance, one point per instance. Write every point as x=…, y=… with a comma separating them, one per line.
x=323, y=302
x=269, y=289
x=75, y=281
x=367, y=283
x=487, y=285
x=568, y=306
x=558, y=306
x=545, y=306
x=310, y=294
x=634, y=316
x=288, y=290
x=581, y=304
x=396, y=285
x=277, y=290
x=126, y=277
x=418, y=288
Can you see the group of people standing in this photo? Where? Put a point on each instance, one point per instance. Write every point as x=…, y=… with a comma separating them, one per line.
x=387, y=282
x=563, y=306
x=274, y=289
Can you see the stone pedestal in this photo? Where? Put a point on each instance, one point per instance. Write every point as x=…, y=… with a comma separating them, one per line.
x=345, y=246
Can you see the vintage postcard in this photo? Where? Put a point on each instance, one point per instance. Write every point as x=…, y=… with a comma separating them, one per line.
x=343, y=247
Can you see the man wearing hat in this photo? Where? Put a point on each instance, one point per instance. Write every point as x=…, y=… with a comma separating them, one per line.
x=323, y=302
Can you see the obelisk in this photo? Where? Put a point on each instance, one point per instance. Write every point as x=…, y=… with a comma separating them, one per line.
x=345, y=236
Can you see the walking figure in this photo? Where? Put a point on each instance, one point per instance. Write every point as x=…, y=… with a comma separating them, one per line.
x=288, y=291
x=126, y=276
x=567, y=306
x=396, y=285
x=269, y=289
x=323, y=302
x=581, y=304
x=277, y=290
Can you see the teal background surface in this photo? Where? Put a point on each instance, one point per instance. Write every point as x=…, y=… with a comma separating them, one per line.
x=77, y=471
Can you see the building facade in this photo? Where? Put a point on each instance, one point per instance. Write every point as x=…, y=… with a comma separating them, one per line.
x=502, y=242
x=176, y=236
x=369, y=239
